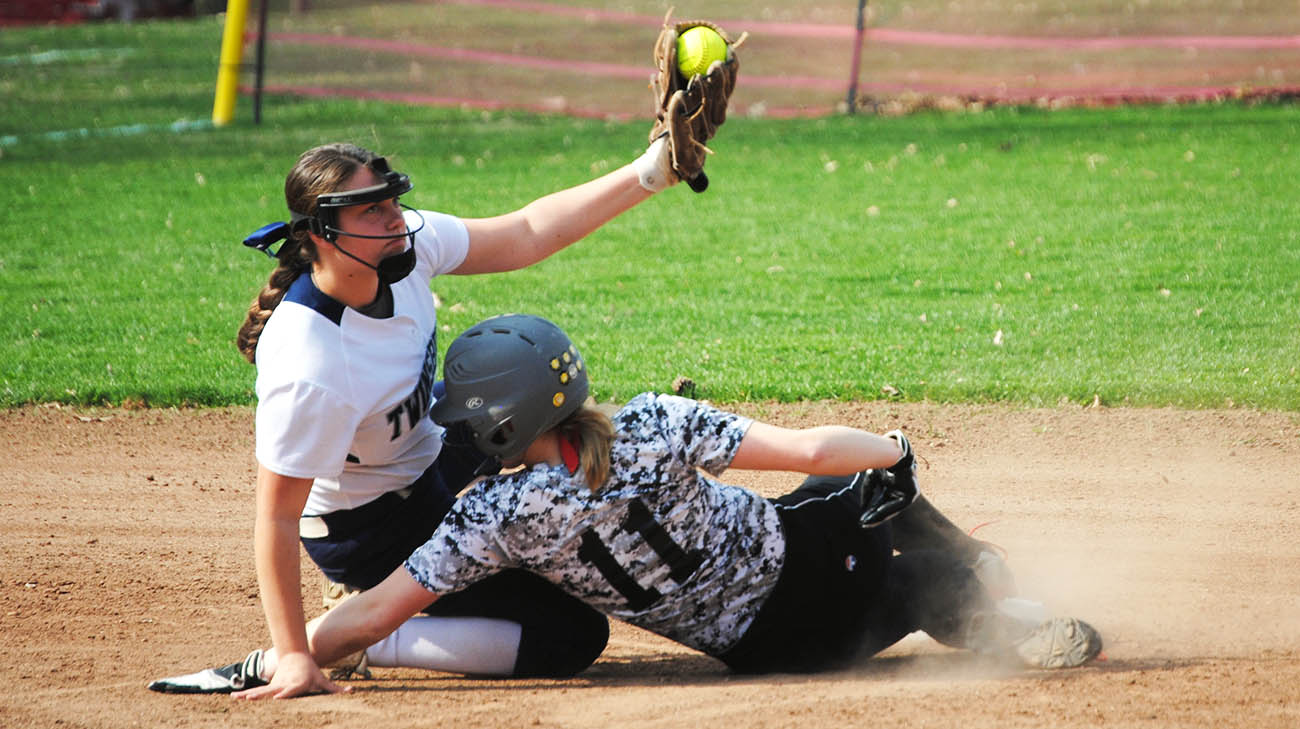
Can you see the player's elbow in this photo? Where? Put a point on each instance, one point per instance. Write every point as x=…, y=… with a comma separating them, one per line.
x=813, y=452
x=834, y=450
x=372, y=619
x=373, y=628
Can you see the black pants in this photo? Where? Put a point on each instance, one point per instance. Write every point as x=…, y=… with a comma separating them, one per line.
x=560, y=636
x=843, y=594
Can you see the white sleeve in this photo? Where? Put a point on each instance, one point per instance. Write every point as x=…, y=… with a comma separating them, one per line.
x=304, y=431
x=443, y=242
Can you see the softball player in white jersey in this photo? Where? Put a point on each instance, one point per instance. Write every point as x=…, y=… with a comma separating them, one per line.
x=344, y=339
x=628, y=516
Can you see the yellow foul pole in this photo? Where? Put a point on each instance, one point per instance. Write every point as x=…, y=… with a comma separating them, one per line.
x=232, y=48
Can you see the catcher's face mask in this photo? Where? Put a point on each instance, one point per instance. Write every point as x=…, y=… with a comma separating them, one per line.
x=325, y=222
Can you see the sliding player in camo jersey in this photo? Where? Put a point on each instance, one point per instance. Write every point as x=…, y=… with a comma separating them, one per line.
x=619, y=514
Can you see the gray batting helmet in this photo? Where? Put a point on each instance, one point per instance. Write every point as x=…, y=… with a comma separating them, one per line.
x=510, y=379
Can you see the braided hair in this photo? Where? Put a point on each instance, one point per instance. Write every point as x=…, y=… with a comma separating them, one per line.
x=319, y=170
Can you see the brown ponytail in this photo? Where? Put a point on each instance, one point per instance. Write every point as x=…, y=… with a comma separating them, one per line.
x=293, y=263
x=319, y=170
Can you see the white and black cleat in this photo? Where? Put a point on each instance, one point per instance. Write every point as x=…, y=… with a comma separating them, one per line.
x=238, y=676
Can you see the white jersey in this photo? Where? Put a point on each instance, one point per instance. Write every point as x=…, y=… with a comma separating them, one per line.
x=660, y=545
x=343, y=398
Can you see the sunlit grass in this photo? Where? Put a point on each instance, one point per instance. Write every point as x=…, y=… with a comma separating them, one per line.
x=1146, y=256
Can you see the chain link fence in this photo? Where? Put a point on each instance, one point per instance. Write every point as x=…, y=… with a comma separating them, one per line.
x=802, y=58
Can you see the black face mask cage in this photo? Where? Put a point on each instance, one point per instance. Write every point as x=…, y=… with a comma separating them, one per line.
x=325, y=222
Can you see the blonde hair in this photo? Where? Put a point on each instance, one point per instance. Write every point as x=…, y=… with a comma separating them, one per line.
x=592, y=433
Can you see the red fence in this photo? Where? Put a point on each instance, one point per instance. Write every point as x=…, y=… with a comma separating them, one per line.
x=592, y=61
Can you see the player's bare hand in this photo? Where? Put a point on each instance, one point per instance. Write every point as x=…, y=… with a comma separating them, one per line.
x=295, y=675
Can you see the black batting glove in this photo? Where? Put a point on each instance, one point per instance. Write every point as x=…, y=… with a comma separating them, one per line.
x=906, y=464
x=887, y=492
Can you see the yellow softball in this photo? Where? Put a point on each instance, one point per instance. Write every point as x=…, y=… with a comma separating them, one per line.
x=697, y=48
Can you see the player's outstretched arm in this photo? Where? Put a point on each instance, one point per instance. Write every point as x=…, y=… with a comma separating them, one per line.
x=550, y=223
x=349, y=627
x=827, y=450
x=366, y=618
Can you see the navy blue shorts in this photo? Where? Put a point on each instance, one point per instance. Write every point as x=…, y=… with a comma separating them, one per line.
x=366, y=544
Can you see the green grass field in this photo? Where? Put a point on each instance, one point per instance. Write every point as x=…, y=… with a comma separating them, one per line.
x=1144, y=256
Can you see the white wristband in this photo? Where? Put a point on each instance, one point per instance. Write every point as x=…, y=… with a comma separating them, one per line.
x=654, y=169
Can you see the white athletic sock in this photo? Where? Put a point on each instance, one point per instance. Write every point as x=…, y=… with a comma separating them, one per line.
x=477, y=646
x=1026, y=611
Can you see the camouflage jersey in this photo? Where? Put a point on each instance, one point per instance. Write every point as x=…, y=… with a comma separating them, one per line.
x=661, y=545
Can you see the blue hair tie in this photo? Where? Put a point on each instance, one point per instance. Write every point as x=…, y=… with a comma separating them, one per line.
x=266, y=236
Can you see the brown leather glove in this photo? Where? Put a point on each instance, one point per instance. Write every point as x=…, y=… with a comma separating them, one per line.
x=689, y=111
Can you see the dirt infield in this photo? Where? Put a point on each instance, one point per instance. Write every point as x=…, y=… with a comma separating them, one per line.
x=126, y=556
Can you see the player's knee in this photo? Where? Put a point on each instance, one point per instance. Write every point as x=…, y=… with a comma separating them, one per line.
x=586, y=645
x=561, y=651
